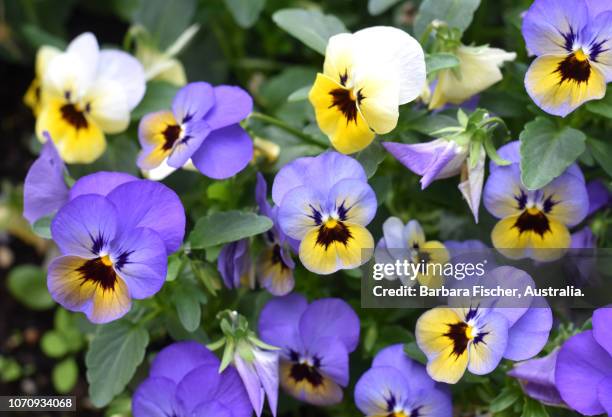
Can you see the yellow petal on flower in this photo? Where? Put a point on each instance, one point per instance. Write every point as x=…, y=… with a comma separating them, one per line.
x=553, y=244
x=338, y=116
x=508, y=240
x=557, y=93
x=379, y=102
x=33, y=96
x=111, y=303
x=478, y=70
x=324, y=392
x=77, y=138
x=447, y=367
x=346, y=249
x=438, y=256
x=66, y=282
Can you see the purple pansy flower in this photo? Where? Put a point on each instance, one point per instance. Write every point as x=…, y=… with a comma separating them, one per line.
x=203, y=127
x=533, y=223
x=315, y=341
x=600, y=196
x=399, y=386
x=325, y=202
x=114, y=246
x=583, y=374
x=274, y=266
x=184, y=381
x=571, y=39
x=476, y=333
x=44, y=188
x=537, y=377
x=235, y=266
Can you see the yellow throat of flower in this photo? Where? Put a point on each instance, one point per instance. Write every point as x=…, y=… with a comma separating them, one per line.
x=331, y=223
x=469, y=332
x=106, y=260
x=580, y=55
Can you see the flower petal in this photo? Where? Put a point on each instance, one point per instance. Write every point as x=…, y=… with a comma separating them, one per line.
x=602, y=317
x=529, y=334
x=502, y=191
x=598, y=37
x=329, y=318
x=289, y=177
x=356, y=198
x=224, y=153
x=123, y=68
x=279, y=321
x=484, y=356
x=232, y=105
x=193, y=102
x=395, y=357
x=108, y=105
x=101, y=183
x=154, y=398
x=377, y=386
x=177, y=360
x=326, y=392
x=570, y=197
x=184, y=148
x=537, y=376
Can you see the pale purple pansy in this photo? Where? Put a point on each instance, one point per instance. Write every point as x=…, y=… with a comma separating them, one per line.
x=235, y=265
x=184, y=381
x=537, y=378
x=583, y=374
x=259, y=375
x=203, y=127
x=315, y=340
x=396, y=385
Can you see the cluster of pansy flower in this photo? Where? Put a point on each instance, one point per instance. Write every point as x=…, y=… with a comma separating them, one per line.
x=114, y=248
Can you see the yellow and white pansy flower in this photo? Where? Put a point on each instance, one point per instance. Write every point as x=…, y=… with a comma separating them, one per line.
x=87, y=93
x=33, y=96
x=479, y=69
x=366, y=77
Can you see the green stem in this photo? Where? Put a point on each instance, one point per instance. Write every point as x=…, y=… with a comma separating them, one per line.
x=289, y=129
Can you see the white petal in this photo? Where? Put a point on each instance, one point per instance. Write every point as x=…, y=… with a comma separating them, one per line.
x=126, y=70
x=159, y=173
x=67, y=74
x=108, y=106
x=339, y=58
x=85, y=48
x=43, y=57
x=471, y=187
x=392, y=49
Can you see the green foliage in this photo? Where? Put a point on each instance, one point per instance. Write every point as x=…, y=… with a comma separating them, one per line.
x=311, y=27
x=219, y=228
x=456, y=13
x=27, y=283
x=65, y=375
x=245, y=12
x=114, y=354
x=440, y=61
x=158, y=96
x=547, y=150
x=376, y=7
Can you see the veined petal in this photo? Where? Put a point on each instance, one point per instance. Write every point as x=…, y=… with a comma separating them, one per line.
x=177, y=360
x=325, y=253
x=569, y=199
x=45, y=190
x=338, y=63
x=478, y=70
x=354, y=201
x=598, y=42
x=232, y=105
x=195, y=134
x=552, y=26
x=124, y=69
x=413, y=234
x=324, y=392
x=379, y=102
x=558, y=84
x=338, y=115
x=300, y=211
x=66, y=284
x=154, y=398
x=489, y=345
x=107, y=103
x=140, y=259
x=85, y=226
x=329, y=318
x=101, y=183
x=272, y=272
x=279, y=322
x=390, y=49
x=157, y=133
x=76, y=135
x=503, y=192
x=224, y=153
x=378, y=386
x=193, y=102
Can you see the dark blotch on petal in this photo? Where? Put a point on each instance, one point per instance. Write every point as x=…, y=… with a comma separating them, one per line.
x=301, y=371
x=338, y=233
x=457, y=333
x=277, y=258
x=574, y=69
x=171, y=134
x=74, y=117
x=343, y=100
x=534, y=222
x=95, y=270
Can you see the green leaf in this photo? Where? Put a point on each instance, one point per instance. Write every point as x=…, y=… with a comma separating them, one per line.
x=42, y=227
x=65, y=375
x=114, y=354
x=159, y=96
x=505, y=399
x=547, y=151
x=376, y=7
x=311, y=27
x=28, y=284
x=53, y=344
x=185, y=299
x=229, y=226
x=371, y=157
x=38, y=37
x=245, y=12
x=456, y=13
x=602, y=107
x=412, y=350
x=299, y=94
x=602, y=152
x=165, y=20
x=533, y=408
x=437, y=62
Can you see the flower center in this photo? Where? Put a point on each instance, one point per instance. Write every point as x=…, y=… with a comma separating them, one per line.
x=106, y=260
x=171, y=134
x=99, y=271
x=73, y=116
x=331, y=231
x=305, y=370
x=575, y=67
x=532, y=220
x=346, y=101
x=461, y=334
x=580, y=55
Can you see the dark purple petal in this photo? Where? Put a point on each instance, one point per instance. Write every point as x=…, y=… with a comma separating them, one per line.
x=279, y=322
x=178, y=359
x=154, y=398
x=599, y=196
x=234, y=262
x=224, y=153
x=193, y=102
x=602, y=327
x=537, y=377
x=583, y=239
x=85, y=226
x=232, y=105
x=604, y=392
x=139, y=257
x=145, y=203
x=582, y=364
x=44, y=188
x=211, y=409
x=101, y=183
x=328, y=318
x=333, y=358
x=261, y=196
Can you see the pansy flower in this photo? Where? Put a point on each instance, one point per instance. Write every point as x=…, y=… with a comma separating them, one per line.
x=33, y=96
x=398, y=386
x=87, y=93
x=534, y=223
x=275, y=265
x=537, y=378
x=203, y=128
x=475, y=334
x=571, y=39
x=479, y=69
x=583, y=374
x=114, y=246
x=184, y=381
x=235, y=266
x=44, y=188
x=325, y=203
x=407, y=242
x=315, y=341
x=366, y=77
